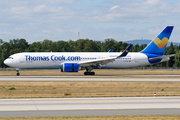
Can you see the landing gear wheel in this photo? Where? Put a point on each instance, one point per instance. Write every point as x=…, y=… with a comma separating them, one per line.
x=92, y=73
x=86, y=73
x=17, y=70
x=89, y=73
x=18, y=74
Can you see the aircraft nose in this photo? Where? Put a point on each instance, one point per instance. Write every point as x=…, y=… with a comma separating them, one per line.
x=7, y=62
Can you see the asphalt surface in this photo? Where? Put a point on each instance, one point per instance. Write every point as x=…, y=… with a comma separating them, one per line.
x=91, y=78
x=54, y=113
x=89, y=106
x=43, y=107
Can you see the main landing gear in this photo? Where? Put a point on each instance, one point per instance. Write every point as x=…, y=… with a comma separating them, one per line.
x=88, y=72
x=17, y=70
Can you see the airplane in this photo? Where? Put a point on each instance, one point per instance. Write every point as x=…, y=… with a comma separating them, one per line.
x=75, y=61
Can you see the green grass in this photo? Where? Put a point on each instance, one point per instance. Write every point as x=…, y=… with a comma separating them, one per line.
x=133, y=117
x=12, y=88
x=87, y=89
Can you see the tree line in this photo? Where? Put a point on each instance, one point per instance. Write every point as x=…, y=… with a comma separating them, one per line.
x=81, y=45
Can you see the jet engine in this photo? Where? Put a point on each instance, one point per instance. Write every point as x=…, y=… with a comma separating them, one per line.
x=70, y=67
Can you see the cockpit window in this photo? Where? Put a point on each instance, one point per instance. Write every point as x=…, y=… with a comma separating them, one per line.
x=10, y=57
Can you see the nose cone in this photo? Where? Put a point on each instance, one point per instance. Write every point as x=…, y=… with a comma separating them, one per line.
x=7, y=62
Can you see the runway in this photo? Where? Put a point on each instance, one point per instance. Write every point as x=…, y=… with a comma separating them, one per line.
x=89, y=106
x=91, y=78
x=43, y=107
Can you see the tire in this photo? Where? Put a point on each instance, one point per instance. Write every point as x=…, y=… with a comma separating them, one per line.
x=92, y=73
x=18, y=74
x=89, y=73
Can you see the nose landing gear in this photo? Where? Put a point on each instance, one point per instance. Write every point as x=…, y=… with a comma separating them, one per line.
x=17, y=70
x=18, y=74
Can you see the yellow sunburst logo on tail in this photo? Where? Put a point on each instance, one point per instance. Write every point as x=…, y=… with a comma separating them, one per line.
x=161, y=43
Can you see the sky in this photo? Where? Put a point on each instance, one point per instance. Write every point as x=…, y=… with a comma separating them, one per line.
x=122, y=20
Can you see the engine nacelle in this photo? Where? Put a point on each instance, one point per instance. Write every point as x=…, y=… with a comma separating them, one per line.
x=70, y=67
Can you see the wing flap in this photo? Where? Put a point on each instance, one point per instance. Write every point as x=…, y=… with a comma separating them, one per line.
x=95, y=62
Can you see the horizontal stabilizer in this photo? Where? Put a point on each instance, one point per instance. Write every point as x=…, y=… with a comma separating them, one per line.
x=162, y=57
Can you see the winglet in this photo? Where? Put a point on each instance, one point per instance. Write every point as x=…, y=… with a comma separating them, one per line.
x=125, y=52
x=110, y=50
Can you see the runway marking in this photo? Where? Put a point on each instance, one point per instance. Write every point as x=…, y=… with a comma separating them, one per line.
x=87, y=100
x=94, y=109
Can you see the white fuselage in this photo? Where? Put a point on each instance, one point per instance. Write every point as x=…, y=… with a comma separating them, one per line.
x=54, y=60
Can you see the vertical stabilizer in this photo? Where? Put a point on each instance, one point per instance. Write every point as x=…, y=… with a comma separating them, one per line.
x=158, y=45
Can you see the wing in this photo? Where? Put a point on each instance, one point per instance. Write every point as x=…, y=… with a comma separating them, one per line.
x=105, y=60
x=162, y=57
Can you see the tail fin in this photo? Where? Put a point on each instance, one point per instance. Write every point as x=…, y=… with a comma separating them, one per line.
x=158, y=45
x=110, y=50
